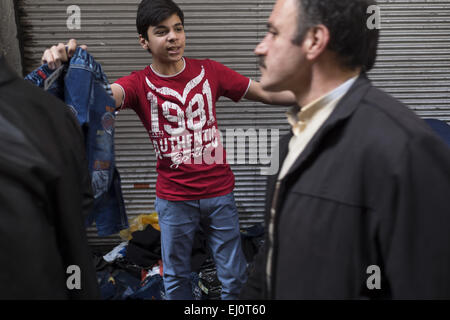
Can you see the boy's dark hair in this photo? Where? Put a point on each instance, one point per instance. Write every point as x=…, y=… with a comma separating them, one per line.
x=346, y=20
x=153, y=12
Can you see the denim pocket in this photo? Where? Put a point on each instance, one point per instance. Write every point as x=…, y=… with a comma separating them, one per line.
x=161, y=206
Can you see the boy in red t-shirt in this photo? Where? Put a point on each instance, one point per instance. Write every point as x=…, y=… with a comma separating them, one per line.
x=175, y=99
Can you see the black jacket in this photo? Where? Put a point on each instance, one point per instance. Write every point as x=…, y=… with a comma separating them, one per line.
x=44, y=192
x=371, y=188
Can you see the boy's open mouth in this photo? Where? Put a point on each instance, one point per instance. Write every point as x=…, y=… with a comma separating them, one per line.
x=173, y=50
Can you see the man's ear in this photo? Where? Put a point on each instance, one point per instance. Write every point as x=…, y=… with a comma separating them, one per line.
x=316, y=41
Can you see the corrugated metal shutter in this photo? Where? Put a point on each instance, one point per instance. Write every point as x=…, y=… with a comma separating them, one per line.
x=414, y=55
x=413, y=65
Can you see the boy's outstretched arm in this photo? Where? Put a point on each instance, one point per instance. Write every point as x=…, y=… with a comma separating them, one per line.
x=118, y=94
x=257, y=93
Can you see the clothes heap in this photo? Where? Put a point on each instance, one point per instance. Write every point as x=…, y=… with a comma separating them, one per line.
x=133, y=270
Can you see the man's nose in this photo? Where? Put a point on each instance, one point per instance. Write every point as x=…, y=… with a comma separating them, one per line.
x=261, y=48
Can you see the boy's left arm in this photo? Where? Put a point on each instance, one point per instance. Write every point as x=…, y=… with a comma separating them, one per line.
x=257, y=93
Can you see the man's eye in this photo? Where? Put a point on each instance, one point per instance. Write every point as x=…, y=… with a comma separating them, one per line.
x=272, y=32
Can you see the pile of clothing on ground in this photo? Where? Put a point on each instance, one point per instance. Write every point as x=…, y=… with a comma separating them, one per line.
x=133, y=270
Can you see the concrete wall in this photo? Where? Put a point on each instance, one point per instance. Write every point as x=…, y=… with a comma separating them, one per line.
x=9, y=43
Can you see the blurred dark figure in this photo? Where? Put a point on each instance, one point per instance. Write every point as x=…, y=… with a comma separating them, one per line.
x=44, y=195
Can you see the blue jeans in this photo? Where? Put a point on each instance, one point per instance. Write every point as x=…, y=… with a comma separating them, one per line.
x=83, y=86
x=179, y=221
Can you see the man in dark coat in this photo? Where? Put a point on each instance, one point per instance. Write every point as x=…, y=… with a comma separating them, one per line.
x=44, y=193
x=360, y=208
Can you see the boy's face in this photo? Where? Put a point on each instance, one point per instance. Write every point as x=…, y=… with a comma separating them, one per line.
x=166, y=41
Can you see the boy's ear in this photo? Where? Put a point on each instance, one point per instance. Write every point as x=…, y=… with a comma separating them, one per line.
x=143, y=42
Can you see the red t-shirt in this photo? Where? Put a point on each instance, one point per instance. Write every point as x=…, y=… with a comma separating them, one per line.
x=179, y=113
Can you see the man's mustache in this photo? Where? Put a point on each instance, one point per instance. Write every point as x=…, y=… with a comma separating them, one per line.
x=262, y=62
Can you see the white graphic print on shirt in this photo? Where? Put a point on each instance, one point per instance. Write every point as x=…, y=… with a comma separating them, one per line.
x=182, y=145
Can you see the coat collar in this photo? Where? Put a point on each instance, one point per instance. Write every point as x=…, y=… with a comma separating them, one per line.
x=6, y=73
x=345, y=108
